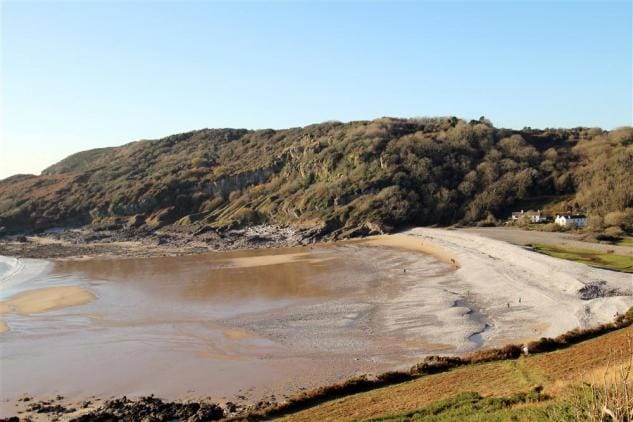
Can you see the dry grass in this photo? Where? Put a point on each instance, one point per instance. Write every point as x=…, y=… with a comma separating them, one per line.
x=607, y=393
x=555, y=371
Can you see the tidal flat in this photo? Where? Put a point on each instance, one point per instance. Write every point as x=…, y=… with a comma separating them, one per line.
x=268, y=323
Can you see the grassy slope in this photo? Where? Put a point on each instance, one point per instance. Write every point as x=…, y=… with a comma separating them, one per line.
x=587, y=256
x=556, y=372
x=471, y=406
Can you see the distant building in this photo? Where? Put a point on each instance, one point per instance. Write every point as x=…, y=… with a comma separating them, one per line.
x=533, y=216
x=538, y=217
x=516, y=215
x=571, y=220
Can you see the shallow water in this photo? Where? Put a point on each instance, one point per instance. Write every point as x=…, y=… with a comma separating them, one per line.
x=225, y=324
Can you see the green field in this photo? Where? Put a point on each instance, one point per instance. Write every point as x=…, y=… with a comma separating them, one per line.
x=609, y=261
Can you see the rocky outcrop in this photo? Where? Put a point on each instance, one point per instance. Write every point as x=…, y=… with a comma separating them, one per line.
x=225, y=185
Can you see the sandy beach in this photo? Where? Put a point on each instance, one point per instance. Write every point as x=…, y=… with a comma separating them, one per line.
x=46, y=299
x=269, y=322
x=525, y=294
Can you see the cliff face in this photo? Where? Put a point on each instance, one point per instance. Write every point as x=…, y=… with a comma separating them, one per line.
x=334, y=177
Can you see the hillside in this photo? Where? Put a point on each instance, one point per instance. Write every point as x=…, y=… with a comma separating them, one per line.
x=335, y=179
x=548, y=386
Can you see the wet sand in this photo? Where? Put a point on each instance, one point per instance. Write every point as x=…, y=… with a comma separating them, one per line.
x=46, y=299
x=242, y=325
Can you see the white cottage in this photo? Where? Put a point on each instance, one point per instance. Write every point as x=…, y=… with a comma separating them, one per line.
x=534, y=217
x=538, y=217
x=516, y=215
x=571, y=220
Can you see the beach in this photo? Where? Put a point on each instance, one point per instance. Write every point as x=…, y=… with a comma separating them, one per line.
x=248, y=325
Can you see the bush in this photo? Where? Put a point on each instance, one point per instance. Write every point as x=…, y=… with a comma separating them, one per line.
x=246, y=216
x=614, y=232
x=392, y=172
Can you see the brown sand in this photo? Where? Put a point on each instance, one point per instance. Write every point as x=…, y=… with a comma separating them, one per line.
x=248, y=323
x=3, y=327
x=403, y=241
x=237, y=334
x=260, y=261
x=46, y=299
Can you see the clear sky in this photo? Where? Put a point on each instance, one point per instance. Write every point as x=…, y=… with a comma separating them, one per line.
x=79, y=75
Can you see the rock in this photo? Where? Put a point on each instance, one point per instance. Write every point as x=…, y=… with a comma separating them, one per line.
x=153, y=409
x=162, y=217
x=599, y=288
x=135, y=221
x=258, y=239
x=374, y=228
x=208, y=412
x=46, y=407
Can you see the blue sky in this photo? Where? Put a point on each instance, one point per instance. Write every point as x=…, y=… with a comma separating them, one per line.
x=79, y=75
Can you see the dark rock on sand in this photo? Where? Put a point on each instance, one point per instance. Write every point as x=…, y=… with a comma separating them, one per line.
x=599, y=289
x=47, y=407
x=153, y=409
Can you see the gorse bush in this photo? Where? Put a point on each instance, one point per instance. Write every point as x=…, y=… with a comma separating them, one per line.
x=384, y=174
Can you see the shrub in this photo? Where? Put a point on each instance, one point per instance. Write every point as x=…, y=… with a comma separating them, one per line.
x=400, y=171
x=614, y=232
x=246, y=216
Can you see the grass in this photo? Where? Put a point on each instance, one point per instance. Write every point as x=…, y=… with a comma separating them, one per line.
x=606, y=397
x=472, y=406
x=627, y=241
x=453, y=392
x=490, y=372
x=590, y=257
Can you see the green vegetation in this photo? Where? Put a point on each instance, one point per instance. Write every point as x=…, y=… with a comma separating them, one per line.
x=575, y=376
x=627, y=241
x=470, y=406
x=580, y=403
x=338, y=179
x=606, y=400
x=587, y=256
x=506, y=364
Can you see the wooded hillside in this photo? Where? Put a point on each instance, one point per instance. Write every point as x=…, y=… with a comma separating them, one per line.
x=340, y=179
